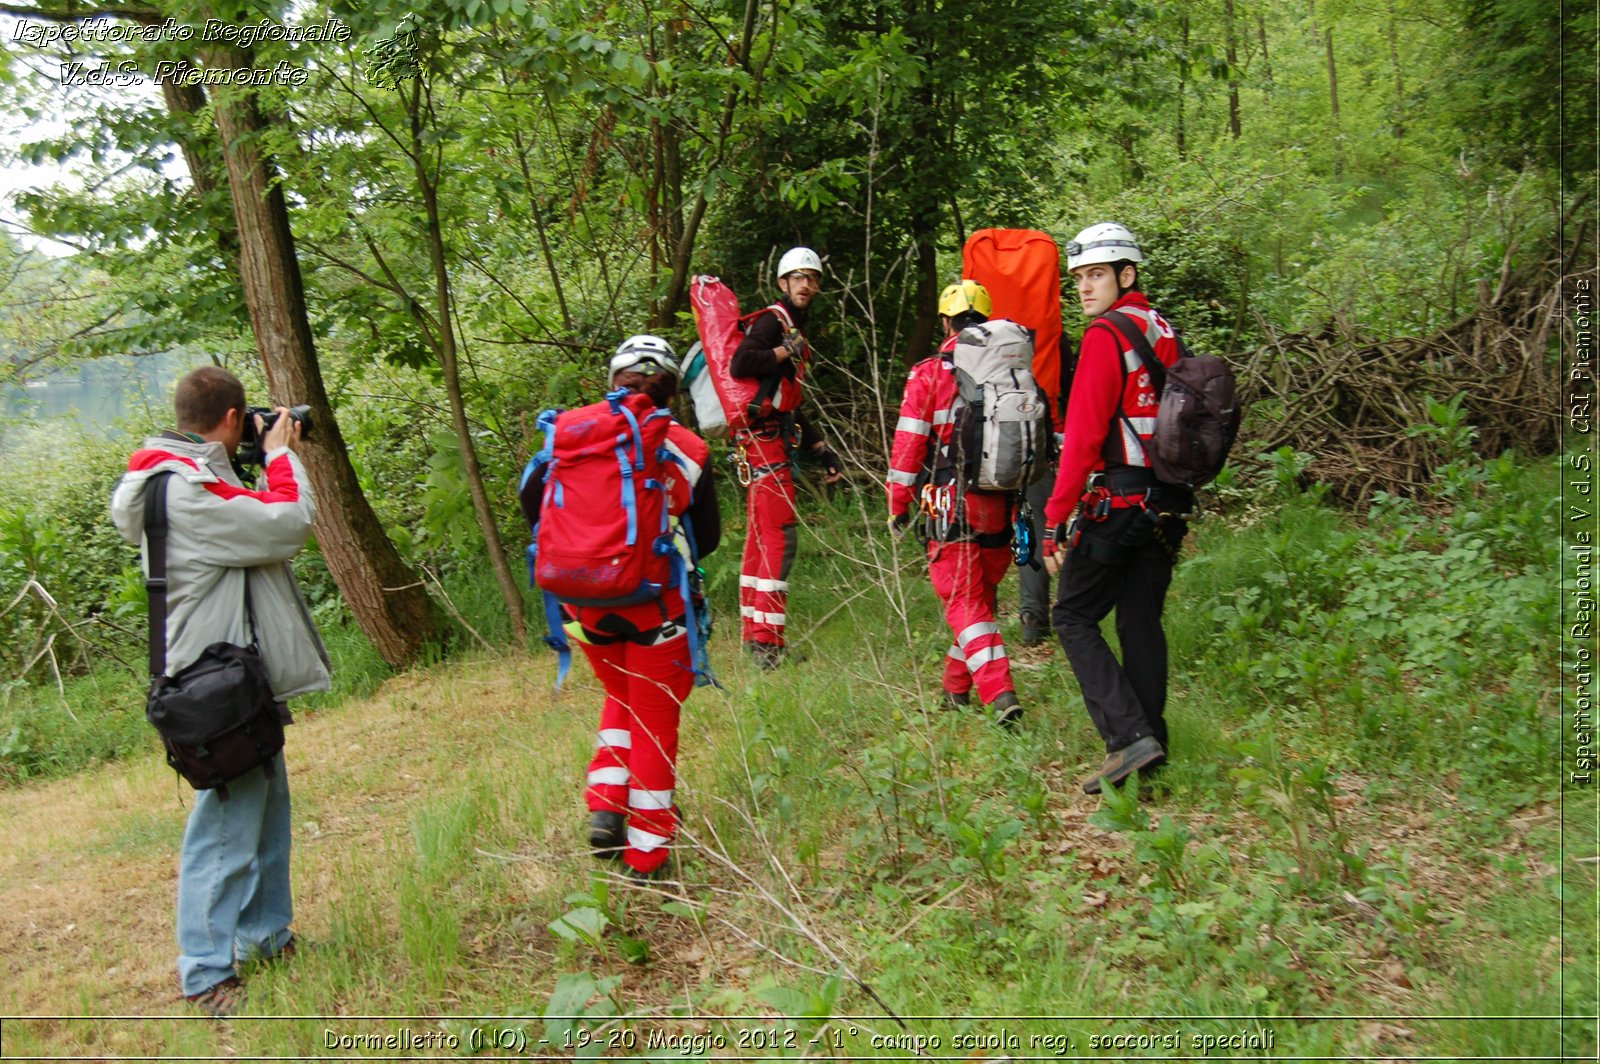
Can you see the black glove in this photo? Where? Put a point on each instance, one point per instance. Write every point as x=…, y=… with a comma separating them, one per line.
x=794, y=342
x=898, y=523
x=829, y=460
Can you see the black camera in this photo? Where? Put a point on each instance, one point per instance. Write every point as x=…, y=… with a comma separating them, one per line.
x=250, y=452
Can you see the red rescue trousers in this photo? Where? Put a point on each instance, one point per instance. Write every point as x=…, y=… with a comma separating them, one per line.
x=633, y=771
x=771, y=537
x=967, y=578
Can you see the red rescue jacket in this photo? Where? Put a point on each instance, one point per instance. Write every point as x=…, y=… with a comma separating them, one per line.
x=1110, y=378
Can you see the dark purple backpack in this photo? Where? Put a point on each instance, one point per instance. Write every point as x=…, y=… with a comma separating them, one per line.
x=1199, y=415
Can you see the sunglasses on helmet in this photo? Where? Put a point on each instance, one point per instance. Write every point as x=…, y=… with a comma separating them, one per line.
x=1074, y=248
x=647, y=366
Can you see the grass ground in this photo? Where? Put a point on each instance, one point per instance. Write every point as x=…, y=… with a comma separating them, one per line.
x=865, y=875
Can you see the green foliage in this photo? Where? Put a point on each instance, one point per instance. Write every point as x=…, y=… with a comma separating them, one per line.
x=62, y=565
x=593, y=921
x=1412, y=642
x=1522, y=70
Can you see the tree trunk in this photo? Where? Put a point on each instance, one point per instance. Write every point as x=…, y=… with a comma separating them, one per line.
x=933, y=159
x=1399, y=86
x=1183, y=86
x=677, y=286
x=1266, y=60
x=1333, y=100
x=1233, y=69
x=384, y=595
x=445, y=347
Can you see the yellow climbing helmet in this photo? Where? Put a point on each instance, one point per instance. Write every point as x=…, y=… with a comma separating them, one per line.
x=965, y=297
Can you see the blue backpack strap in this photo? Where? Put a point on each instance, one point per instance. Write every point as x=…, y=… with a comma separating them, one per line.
x=546, y=454
x=618, y=407
x=694, y=620
x=543, y=457
x=628, y=502
x=700, y=664
x=556, y=639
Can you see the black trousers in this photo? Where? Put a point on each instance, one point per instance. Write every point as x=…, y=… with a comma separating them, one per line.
x=1119, y=564
x=1035, y=583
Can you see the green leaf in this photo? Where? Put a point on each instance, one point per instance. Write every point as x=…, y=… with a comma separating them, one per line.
x=581, y=925
x=789, y=1002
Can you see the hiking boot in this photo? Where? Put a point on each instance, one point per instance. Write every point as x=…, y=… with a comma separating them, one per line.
x=1034, y=630
x=220, y=1000
x=607, y=835
x=768, y=656
x=292, y=948
x=1007, y=711
x=1121, y=764
x=286, y=952
x=955, y=700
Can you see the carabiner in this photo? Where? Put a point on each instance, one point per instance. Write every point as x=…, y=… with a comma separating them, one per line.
x=741, y=466
x=1022, y=533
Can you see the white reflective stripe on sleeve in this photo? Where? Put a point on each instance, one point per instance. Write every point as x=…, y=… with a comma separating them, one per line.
x=973, y=631
x=620, y=737
x=1140, y=318
x=979, y=658
x=905, y=479
x=767, y=618
x=615, y=776
x=648, y=800
x=691, y=468
x=911, y=424
x=944, y=417
x=957, y=653
x=746, y=581
x=645, y=841
x=747, y=611
x=770, y=586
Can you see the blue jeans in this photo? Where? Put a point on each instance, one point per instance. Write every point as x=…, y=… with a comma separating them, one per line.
x=233, y=877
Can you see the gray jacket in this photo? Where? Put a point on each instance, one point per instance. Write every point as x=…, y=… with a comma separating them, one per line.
x=218, y=530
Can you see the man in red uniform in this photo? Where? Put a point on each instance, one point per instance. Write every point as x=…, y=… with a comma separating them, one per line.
x=775, y=351
x=641, y=653
x=969, y=537
x=1121, y=548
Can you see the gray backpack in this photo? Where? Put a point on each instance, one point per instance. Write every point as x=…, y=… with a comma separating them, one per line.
x=1001, y=437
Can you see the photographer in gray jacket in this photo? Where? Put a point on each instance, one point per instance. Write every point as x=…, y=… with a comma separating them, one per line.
x=233, y=877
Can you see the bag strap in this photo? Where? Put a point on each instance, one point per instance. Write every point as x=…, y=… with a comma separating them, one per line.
x=1119, y=322
x=155, y=583
x=1141, y=345
x=769, y=384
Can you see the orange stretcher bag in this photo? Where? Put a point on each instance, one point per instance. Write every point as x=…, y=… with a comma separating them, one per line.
x=1021, y=268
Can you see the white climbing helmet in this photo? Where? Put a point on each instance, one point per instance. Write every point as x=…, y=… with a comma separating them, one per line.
x=644, y=354
x=798, y=259
x=1102, y=242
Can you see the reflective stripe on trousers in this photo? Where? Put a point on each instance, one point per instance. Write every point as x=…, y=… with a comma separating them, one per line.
x=967, y=578
x=771, y=538
x=636, y=751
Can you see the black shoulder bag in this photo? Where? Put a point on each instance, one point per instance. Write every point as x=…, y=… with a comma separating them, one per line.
x=217, y=718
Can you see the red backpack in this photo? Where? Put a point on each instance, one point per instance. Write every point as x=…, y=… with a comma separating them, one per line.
x=605, y=503
x=1021, y=268
x=744, y=399
x=604, y=536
